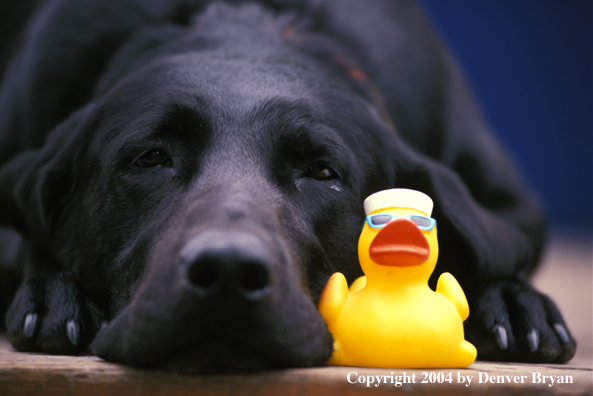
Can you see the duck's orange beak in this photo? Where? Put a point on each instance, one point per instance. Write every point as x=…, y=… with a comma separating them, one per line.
x=400, y=243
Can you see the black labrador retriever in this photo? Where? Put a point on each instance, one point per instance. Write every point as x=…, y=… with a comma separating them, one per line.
x=187, y=174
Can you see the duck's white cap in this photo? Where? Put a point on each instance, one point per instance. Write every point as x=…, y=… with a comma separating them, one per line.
x=398, y=198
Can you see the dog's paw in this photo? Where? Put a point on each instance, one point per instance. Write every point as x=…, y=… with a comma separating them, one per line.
x=51, y=314
x=511, y=321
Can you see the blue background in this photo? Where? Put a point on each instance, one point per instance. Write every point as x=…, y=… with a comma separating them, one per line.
x=529, y=63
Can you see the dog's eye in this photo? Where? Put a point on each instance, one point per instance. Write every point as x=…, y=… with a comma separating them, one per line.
x=321, y=171
x=153, y=158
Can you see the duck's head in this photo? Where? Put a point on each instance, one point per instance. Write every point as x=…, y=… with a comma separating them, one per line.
x=399, y=237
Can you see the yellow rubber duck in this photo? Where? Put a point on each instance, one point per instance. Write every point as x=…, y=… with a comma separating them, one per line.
x=390, y=317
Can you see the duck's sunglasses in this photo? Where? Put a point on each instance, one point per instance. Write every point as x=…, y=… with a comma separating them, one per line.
x=379, y=220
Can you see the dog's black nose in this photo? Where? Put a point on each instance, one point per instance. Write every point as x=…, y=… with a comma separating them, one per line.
x=234, y=263
x=209, y=272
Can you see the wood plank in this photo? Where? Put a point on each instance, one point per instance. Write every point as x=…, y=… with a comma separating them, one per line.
x=30, y=373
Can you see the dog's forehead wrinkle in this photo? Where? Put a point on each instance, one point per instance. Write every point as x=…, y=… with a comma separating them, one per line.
x=153, y=112
x=287, y=111
x=301, y=119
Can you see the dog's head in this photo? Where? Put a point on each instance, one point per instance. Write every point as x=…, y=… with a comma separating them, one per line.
x=211, y=187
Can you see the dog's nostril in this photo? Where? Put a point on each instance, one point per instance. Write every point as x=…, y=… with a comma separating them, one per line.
x=254, y=277
x=254, y=280
x=204, y=274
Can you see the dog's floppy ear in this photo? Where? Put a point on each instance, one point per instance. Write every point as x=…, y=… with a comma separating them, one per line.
x=35, y=184
x=477, y=238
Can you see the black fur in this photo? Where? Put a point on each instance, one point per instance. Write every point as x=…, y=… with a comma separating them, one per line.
x=187, y=175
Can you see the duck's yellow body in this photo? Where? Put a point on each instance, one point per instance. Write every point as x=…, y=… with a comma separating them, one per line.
x=390, y=317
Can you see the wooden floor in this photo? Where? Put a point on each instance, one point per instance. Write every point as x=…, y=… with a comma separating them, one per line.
x=566, y=275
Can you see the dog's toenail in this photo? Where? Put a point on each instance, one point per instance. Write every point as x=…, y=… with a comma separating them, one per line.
x=72, y=330
x=533, y=340
x=30, y=324
x=501, y=337
x=562, y=333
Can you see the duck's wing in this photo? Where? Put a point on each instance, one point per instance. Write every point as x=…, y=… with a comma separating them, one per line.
x=358, y=284
x=333, y=298
x=448, y=287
